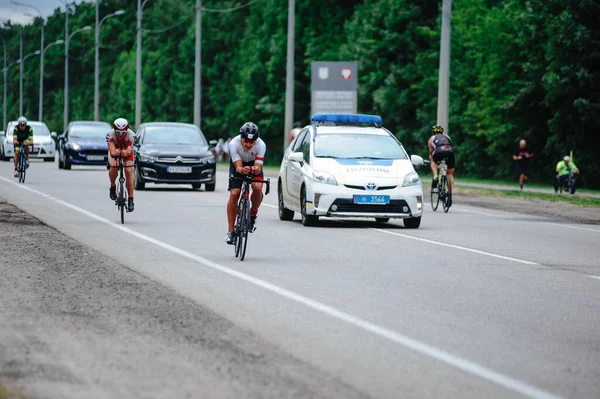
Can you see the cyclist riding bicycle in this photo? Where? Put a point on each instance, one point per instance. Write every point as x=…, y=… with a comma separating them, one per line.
x=440, y=148
x=563, y=170
x=22, y=137
x=120, y=142
x=247, y=155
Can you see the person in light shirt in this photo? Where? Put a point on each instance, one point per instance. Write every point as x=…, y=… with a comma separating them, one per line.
x=247, y=155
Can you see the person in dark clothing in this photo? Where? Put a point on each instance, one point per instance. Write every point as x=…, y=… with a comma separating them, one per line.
x=522, y=155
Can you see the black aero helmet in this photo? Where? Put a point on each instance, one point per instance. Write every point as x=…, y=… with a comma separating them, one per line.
x=437, y=129
x=249, y=131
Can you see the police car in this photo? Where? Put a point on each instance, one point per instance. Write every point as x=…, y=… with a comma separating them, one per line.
x=349, y=166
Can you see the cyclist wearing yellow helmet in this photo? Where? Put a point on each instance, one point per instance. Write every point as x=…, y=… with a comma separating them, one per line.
x=440, y=147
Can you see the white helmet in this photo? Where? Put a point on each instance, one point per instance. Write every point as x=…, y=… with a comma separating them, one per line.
x=121, y=125
x=22, y=120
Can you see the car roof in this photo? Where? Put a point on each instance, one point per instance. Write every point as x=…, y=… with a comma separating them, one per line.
x=351, y=130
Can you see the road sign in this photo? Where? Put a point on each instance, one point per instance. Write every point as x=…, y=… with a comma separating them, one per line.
x=334, y=87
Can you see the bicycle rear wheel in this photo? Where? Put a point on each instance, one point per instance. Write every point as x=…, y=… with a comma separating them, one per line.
x=446, y=200
x=435, y=197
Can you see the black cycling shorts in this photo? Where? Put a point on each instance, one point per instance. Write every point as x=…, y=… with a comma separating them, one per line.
x=237, y=183
x=445, y=152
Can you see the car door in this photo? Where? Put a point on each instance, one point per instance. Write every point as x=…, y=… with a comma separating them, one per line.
x=292, y=169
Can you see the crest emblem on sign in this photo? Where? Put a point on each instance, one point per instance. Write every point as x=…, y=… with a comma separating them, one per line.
x=346, y=73
x=323, y=72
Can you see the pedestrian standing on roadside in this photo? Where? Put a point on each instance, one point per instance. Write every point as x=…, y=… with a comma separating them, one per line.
x=522, y=155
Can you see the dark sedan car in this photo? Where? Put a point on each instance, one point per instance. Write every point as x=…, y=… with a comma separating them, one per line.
x=84, y=143
x=173, y=153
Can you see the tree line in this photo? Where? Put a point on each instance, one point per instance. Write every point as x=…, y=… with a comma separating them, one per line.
x=520, y=69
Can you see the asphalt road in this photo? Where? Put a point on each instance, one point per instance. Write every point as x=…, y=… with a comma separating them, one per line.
x=475, y=303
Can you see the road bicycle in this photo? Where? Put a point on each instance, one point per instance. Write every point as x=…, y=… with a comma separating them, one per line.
x=22, y=163
x=243, y=219
x=122, y=195
x=441, y=191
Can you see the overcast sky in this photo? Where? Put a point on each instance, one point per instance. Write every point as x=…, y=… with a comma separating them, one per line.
x=17, y=13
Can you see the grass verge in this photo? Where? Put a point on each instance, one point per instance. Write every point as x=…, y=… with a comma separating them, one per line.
x=585, y=202
x=5, y=394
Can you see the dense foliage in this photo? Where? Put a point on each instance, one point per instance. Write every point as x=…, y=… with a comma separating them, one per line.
x=520, y=69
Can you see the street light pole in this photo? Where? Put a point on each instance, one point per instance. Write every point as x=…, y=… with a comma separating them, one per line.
x=66, y=93
x=289, y=80
x=197, y=72
x=22, y=63
x=97, y=61
x=21, y=72
x=138, y=65
x=444, y=71
x=66, y=120
x=40, y=106
x=4, y=70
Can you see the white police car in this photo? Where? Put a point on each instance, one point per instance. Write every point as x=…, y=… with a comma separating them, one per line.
x=348, y=165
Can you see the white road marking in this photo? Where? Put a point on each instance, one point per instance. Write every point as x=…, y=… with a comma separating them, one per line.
x=574, y=227
x=596, y=277
x=457, y=247
x=417, y=346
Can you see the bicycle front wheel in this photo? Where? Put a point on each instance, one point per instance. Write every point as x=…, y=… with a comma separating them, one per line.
x=245, y=229
x=446, y=200
x=238, y=228
x=435, y=197
x=121, y=199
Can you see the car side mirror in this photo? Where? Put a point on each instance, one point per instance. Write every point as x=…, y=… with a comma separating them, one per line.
x=416, y=160
x=53, y=134
x=296, y=157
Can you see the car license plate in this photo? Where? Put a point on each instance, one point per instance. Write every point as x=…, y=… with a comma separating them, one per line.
x=95, y=157
x=372, y=199
x=179, y=169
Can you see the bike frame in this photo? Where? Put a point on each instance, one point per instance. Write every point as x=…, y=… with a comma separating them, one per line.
x=241, y=227
x=121, y=200
x=21, y=163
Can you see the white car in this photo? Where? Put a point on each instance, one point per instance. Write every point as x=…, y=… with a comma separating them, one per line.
x=43, y=142
x=349, y=166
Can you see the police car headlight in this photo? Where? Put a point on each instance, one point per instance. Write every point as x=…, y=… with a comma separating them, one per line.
x=324, y=177
x=411, y=179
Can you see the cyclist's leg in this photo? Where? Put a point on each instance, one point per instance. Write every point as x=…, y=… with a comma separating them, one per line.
x=451, y=162
x=434, y=167
x=257, y=194
x=128, y=163
x=16, y=157
x=26, y=145
x=113, y=172
x=234, y=188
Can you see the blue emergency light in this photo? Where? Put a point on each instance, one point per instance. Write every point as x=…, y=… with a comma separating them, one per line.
x=358, y=119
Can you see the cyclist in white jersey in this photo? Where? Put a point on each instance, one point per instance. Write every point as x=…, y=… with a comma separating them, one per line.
x=247, y=155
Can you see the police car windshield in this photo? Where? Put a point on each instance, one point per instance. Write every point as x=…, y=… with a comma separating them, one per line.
x=358, y=146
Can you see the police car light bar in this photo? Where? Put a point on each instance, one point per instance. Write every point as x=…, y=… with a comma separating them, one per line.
x=360, y=119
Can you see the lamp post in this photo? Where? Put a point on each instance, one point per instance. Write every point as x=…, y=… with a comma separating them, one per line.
x=4, y=70
x=40, y=107
x=97, y=61
x=42, y=75
x=197, y=69
x=36, y=52
x=138, y=65
x=66, y=116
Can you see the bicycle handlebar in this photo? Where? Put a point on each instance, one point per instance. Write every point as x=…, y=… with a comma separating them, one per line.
x=250, y=179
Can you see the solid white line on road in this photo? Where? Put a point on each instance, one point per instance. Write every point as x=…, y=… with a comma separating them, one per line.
x=574, y=227
x=417, y=346
x=457, y=247
x=596, y=277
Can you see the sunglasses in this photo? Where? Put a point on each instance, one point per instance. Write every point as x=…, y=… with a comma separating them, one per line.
x=248, y=141
x=121, y=132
